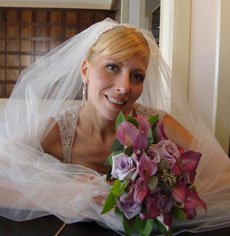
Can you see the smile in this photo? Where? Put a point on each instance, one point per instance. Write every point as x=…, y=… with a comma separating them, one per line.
x=117, y=102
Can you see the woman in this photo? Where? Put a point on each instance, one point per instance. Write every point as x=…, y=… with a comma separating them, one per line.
x=119, y=64
x=115, y=81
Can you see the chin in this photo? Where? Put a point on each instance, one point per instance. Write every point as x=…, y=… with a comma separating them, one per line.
x=111, y=117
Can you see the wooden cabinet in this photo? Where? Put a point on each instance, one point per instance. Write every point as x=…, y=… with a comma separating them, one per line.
x=28, y=33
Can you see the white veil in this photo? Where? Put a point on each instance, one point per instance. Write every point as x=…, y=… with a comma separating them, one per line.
x=34, y=184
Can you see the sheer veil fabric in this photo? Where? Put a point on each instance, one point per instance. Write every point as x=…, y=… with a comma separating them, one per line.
x=35, y=184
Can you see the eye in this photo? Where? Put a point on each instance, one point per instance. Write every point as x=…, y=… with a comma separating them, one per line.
x=112, y=67
x=138, y=77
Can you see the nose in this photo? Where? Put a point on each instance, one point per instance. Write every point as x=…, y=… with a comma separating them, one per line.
x=123, y=84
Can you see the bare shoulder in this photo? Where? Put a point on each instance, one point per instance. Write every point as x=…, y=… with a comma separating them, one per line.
x=177, y=132
x=173, y=129
x=52, y=141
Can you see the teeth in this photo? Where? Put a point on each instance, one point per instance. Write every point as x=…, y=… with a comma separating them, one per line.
x=115, y=101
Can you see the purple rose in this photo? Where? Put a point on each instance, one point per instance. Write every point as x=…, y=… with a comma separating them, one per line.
x=168, y=150
x=153, y=153
x=165, y=203
x=128, y=206
x=124, y=167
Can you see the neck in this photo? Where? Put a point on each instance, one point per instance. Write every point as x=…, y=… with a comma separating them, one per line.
x=95, y=125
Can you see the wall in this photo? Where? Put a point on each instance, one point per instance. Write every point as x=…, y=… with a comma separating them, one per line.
x=223, y=96
x=209, y=72
x=203, y=67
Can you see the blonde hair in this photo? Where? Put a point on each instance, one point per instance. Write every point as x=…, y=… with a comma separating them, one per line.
x=121, y=42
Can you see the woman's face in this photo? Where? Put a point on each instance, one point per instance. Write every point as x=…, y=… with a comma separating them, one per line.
x=113, y=85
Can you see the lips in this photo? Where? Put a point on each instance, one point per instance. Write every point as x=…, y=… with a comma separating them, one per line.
x=116, y=101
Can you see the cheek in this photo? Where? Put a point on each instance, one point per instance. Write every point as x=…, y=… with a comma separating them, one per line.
x=97, y=82
x=137, y=91
x=98, y=78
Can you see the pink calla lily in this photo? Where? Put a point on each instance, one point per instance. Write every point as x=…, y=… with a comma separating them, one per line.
x=190, y=160
x=167, y=218
x=190, y=213
x=193, y=200
x=152, y=209
x=180, y=192
x=127, y=133
x=141, y=190
x=143, y=124
x=189, y=198
x=161, y=131
x=140, y=143
x=146, y=166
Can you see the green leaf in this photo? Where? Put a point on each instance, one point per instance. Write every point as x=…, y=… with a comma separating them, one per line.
x=178, y=213
x=124, y=185
x=117, y=146
x=128, y=151
x=109, y=161
x=155, y=136
x=152, y=182
x=153, y=119
x=161, y=227
x=120, y=119
x=144, y=227
x=118, y=212
x=109, y=203
x=108, y=175
x=128, y=226
x=119, y=187
x=116, y=188
x=132, y=120
x=169, y=233
x=150, y=137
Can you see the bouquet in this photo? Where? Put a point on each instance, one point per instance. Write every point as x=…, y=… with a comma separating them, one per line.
x=152, y=177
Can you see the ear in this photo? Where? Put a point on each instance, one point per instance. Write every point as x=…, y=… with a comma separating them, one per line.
x=84, y=70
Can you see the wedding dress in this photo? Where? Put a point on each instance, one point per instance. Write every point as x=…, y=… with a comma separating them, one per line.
x=35, y=184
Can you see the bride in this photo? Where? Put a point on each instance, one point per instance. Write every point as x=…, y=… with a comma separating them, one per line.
x=59, y=124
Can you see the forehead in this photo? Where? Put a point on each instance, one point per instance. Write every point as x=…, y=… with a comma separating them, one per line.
x=138, y=61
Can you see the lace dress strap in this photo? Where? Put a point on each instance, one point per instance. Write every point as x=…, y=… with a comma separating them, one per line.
x=67, y=122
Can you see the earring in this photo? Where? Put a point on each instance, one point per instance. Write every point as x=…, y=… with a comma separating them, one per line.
x=84, y=93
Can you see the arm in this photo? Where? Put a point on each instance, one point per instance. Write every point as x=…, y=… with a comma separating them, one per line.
x=176, y=132
x=52, y=142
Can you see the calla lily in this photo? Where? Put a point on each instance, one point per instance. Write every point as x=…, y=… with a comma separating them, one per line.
x=140, y=143
x=152, y=210
x=167, y=219
x=127, y=133
x=190, y=160
x=146, y=166
x=160, y=131
x=180, y=192
x=143, y=124
x=193, y=200
x=140, y=190
x=186, y=166
x=189, y=199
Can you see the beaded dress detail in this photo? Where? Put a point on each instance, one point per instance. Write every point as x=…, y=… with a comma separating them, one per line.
x=67, y=122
